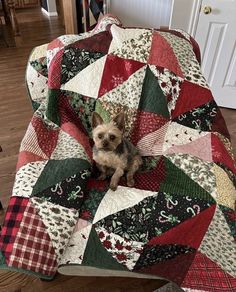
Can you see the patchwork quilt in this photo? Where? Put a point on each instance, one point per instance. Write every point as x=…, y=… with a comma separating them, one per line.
x=178, y=221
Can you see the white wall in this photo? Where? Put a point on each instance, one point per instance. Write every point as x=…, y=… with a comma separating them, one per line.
x=142, y=13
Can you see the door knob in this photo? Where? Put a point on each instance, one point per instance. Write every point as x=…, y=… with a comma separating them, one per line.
x=207, y=9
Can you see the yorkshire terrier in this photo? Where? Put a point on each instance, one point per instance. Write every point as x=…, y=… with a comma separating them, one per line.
x=114, y=155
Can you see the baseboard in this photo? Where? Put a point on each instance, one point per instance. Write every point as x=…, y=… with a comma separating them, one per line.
x=49, y=13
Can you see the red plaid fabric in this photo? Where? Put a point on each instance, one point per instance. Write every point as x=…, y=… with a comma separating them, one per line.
x=11, y=225
x=206, y=275
x=54, y=74
x=32, y=249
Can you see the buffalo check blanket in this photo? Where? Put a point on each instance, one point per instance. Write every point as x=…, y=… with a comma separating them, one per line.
x=178, y=222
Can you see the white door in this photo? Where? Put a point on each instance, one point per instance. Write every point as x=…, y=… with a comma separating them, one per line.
x=216, y=35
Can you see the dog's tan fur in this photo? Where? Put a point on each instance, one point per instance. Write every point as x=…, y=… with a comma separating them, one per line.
x=114, y=156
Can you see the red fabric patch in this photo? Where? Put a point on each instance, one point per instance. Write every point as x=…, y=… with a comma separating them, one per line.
x=97, y=43
x=83, y=139
x=151, y=180
x=191, y=96
x=47, y=138
x=99, y=185
x=220, y=153
x=146, y=123
x=174, y=269
x=32, y=248
x=163, y=55
x=219, y=125
x=26, y=157
x=206, y=275
x=11, y=224
x=198, y=223
x=54, y=73
x=116, y=71
x=55, y=44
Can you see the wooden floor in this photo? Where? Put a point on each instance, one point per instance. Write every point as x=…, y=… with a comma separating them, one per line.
x=15, y=113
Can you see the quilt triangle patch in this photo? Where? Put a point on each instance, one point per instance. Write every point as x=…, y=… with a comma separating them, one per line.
x=170, y=269
x=127, y=93
x=191, y=96
x=38, y=252
x=152, y=143
x=68, y=147
x=99, y=42
x=152, y=98
x=220, y=153
x=75, y=60
x=116, y=71
x=96, y=254
x=26, y=178
x=154, y=254
x=25, y=157
x=176, y=181
x=30, y=142
x=127, y=197
x=146, y=123
x=203, y=273
x=193, y=229
x=82, y=81
x=46, y=138
x=120, y=35
x=198, y=170
x=200, y=148
x=200, y=118
x=136, y=48
x=151, y=180
x=57, y=170
x=54, y=74
x=219, y=125
x=59, y=222
x=162, y=55
x=11, y=224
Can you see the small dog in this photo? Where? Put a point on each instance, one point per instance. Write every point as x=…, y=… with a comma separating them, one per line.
x=113, y=153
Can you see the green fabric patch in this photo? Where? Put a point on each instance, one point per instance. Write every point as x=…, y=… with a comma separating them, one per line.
x=83, y=106
x=96, y=255
x=58, y=170
x=52, y=111
x=102, y=112
x=90, y=204
x=2, y=259
x=152, y=98
x=177, y=182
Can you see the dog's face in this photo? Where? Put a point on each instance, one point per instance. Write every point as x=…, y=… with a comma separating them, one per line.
x=107, y=136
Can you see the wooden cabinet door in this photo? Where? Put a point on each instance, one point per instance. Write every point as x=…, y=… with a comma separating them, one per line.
x=30, y=3
x=26, y=3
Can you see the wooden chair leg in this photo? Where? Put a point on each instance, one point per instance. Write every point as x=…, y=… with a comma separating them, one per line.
x=14, y=22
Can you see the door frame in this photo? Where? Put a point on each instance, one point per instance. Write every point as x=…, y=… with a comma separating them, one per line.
x=194, y=12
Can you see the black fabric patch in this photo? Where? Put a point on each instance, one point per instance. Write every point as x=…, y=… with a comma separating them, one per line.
x=200, y=118
x=75, y=60
x=68, y=193
x=152, y=255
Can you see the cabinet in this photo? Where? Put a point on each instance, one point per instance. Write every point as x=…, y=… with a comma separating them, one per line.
x=26, y=3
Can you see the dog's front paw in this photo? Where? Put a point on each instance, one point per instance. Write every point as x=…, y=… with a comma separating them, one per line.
x=130, y=183
x=113, y=187
x=102, y=176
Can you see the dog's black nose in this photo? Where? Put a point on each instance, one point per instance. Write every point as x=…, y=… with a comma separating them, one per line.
x=105, y=143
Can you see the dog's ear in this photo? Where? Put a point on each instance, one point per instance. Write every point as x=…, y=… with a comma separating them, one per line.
x=119, y=121
x=96, y=120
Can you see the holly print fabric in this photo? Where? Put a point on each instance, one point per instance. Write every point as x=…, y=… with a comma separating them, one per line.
x=178, y=221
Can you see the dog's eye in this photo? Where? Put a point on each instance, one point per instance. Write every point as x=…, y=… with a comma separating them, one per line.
x=100, y=136
x=112, y=137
